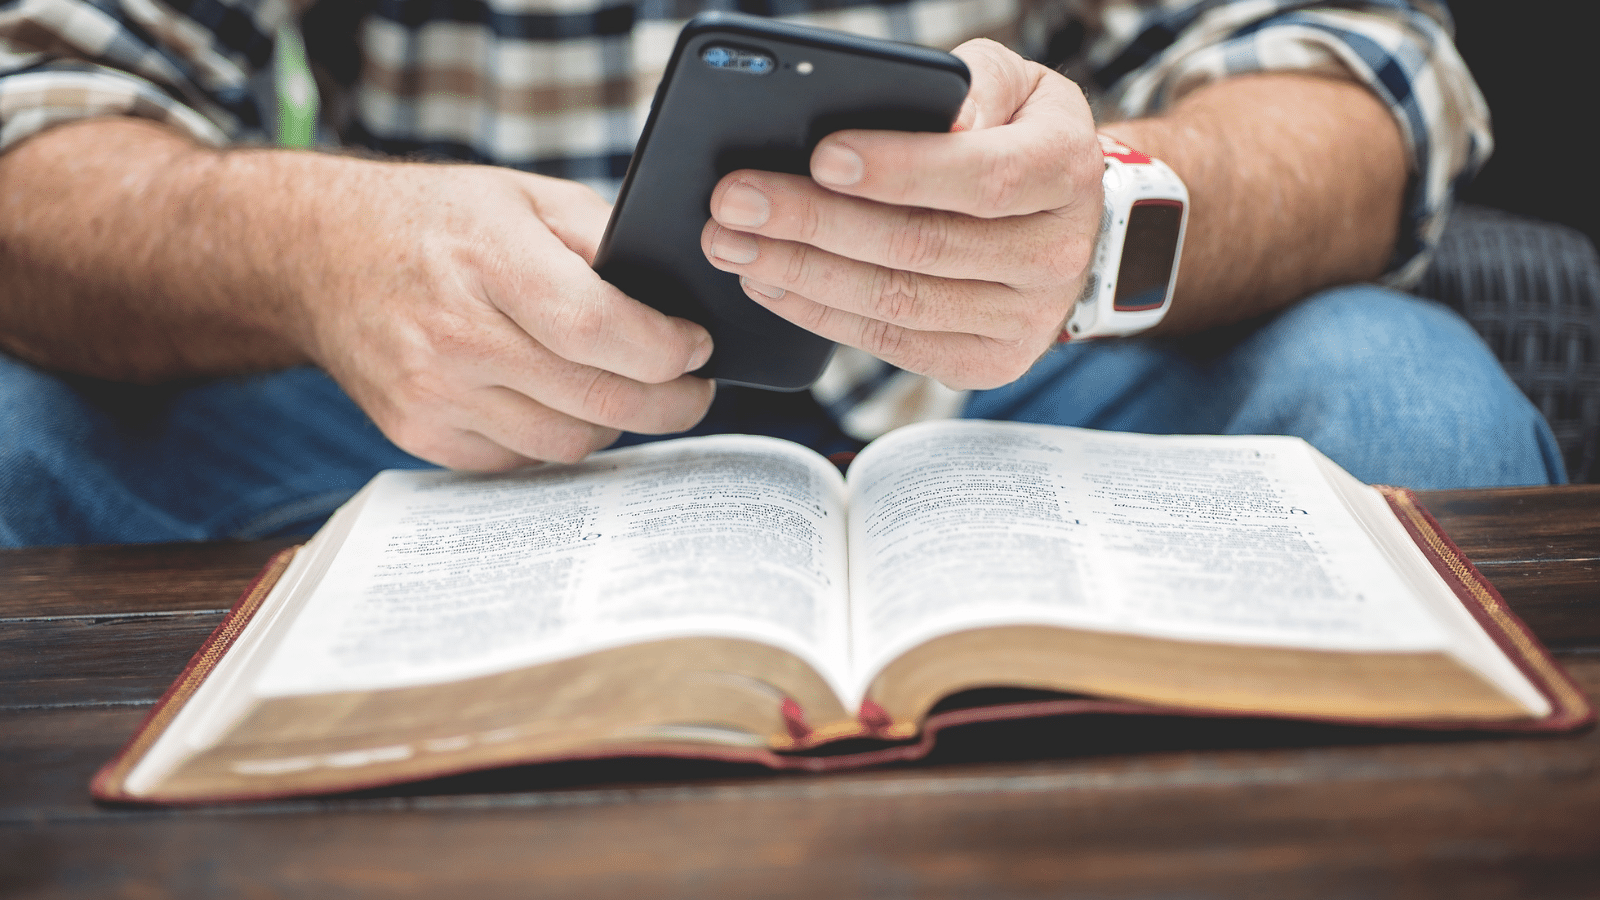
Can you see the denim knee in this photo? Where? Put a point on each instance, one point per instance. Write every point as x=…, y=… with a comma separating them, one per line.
x=1394, y=388
x=47, y=464
x=83, y=461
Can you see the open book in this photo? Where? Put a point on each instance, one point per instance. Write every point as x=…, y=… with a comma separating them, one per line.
x=736, y=597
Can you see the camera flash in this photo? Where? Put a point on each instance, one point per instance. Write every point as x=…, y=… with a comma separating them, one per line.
x=804, y=67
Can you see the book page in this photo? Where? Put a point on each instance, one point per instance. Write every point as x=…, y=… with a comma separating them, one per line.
x=966, y=524
x=1470, y=644
x=452, y=575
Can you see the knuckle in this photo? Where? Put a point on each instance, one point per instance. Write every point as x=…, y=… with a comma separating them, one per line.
x=1053, y=250
x=809, y=222
x=884, y=340
x=443, y=332
x=413, y=384
x=896, y=296
x=581, y=325
x=1002, y=188
x=1076, y=249
x=812, y=317
x=416, y=415
x=609, y=400
x=573, y=191
x=1066, y=260
x=1015, y=323
x=921, y=242
x=798, y=264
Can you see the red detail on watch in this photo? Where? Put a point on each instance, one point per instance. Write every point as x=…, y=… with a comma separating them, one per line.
x=1110, y=146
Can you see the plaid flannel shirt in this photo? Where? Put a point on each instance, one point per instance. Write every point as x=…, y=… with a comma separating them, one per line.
x=562, y=87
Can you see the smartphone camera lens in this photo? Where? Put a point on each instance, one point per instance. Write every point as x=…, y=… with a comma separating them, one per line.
x=733, y=59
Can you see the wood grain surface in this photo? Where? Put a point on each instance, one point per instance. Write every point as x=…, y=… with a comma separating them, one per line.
x=1101, y=807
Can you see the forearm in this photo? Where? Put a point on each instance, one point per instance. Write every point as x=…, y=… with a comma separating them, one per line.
x=455, y=304
x=1295, y=184
x=130, y=252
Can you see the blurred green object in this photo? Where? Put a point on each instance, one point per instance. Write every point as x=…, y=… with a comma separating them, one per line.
x=297, y=91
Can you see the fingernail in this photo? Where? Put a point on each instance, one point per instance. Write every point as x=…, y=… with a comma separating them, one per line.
x=743, y=205
x=765, y=290
x=734, y=246
x=701, y=354
x=837, y=165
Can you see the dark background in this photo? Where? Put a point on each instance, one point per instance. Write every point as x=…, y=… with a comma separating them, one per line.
x=1536, y=63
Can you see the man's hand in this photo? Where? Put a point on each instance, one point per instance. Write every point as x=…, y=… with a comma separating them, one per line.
x=464, y=318
x=455, y=304
x=953, y=255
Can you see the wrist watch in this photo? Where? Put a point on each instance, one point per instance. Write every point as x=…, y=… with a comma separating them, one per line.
x=1136, y=256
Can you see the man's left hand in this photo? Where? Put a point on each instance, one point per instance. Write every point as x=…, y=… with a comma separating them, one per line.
x=954, y=255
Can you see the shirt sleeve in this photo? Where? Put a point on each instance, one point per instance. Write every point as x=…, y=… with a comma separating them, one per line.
x=197, y=65
x=1149, y=55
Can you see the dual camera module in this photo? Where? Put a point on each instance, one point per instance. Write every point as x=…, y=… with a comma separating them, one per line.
x=750, y=62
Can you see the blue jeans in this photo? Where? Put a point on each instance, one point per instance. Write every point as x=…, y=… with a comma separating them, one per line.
x=1397, y=390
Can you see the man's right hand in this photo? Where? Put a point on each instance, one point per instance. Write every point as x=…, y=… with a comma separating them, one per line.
x=454, y=303
x=462, y=314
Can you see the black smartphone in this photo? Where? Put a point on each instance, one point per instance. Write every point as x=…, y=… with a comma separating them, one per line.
x=743, y=92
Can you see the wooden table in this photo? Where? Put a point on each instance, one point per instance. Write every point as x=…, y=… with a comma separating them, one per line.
x=1092, y=807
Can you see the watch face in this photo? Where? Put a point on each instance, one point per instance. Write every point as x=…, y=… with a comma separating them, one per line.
x=1148, y=251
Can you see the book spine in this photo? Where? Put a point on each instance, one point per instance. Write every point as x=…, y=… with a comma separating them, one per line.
x=108, y=783
x=1570, y=708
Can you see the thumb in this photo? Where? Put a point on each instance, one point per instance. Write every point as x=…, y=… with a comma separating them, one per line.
x=1002, y=82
